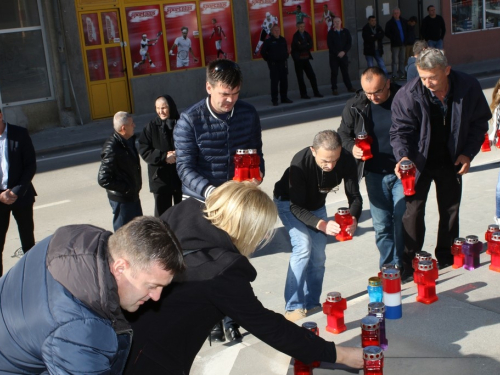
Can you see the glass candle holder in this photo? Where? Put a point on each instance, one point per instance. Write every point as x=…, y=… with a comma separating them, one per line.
x=344, y=219
x=364, y=141
x=407, y=170
x=334, y=309
x=377, y=309
x=370, y=331
x=456, y=250
x=374, y=288
x=373, y=358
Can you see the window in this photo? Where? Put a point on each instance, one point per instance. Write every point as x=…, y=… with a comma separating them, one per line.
x=470, y=15
x=24, y=72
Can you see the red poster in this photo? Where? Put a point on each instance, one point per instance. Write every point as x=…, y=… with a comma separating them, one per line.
x=146, y=39
x=91, y=34
x=183, y=37
x=324, y=12
x=110, y=28
x=115, y=62
x=293, y=12
x=217, y=30
x=263, y=15
x=95, y=64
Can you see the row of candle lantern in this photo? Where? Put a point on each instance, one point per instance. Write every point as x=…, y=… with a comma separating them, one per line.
x=485, y=147
x=246, y=165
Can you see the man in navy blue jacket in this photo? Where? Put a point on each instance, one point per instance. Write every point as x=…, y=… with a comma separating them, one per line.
x=438, y=122
x=339, y=42
x=17, y=195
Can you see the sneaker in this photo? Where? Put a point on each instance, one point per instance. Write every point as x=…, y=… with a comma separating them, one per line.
x=314, y=310
x=335, y=92
x=295, y=315
x=152, y=65
x=496, y=220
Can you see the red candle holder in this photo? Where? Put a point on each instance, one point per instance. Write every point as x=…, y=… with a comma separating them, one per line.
x=425, y=279
x=334, y=309
x=456, y=250
x=344, y=219
x=498, y=139
x=492, y=228
x=494, y=247
x=407, y=170
x=424, y=255
x=364, y=141
x=254, y=167
x=373, y=358
x=370, y=331
x=485, y=147
x=241, y=165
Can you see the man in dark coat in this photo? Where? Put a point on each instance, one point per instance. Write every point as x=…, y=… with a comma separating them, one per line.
x=373, y=47
x=156, y=146
x=438, y=122
x=17, y=195
x=120, y=171
x=433, y=28
x=339, y=42
x=275, y=53
x=61, y=304
x=395, y=30
x=301, y=54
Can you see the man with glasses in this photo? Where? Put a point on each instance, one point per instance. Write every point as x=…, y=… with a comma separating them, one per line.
x=438, y=122
x=300, y=197
x=207, y=136
x=370, y=111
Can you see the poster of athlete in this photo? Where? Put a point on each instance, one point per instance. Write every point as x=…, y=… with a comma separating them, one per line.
x=90, y=25
x=296, y=11
x=324, y=12
x=263, y=15
x=146, y=39
x=217, y=30
x=183, y=38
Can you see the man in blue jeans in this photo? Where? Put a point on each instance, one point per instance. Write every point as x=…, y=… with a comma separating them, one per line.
x=370, y=111
x=300, y=196
x=373, y=48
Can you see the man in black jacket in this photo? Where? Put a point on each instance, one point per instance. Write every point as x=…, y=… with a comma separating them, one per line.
x=395, y=30
x=275, y=52
x=433, y=28
x=301, y=54
x=372, y=44
x=300, y=196
x=438, y=122
x=120, y=171
x=17, y=195
x=370, y=111
x=339, y=42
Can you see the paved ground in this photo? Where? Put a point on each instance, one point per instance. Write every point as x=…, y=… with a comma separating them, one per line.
x=456, y=335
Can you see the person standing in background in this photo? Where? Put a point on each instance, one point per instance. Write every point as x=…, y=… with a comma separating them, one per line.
x=433, y=28
x=396, y=29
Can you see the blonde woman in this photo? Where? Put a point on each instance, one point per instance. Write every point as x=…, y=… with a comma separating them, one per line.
x=217, y=238
x=494, y=127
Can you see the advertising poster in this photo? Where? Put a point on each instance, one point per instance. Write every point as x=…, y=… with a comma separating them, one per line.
x=324, y=11
x=115, y=62
x=110, y=28
x=146, y=39
x=217, y=30
x=183, y=37
x=95, y=62
x=262, y=14
x=90, y=25
x=293, y=14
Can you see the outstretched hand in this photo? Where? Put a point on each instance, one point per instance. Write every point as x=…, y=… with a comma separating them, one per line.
x=352, y=357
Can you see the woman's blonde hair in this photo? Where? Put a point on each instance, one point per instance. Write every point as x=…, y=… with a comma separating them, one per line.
x=495, y=97
x=244, y=212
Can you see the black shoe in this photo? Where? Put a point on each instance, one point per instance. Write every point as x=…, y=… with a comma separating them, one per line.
x=233, y=334
x=444, y=264
x=275, y=104
x=335, y=92
x=318, y=95
x=305, y=97
x=217, y=333
x=286, y=100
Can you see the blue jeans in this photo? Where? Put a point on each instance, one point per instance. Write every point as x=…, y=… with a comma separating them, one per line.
x=435, y=43
x=379, y=60
x=398, y=61
x=123, y=212
x=387, y=206
x=304, y=280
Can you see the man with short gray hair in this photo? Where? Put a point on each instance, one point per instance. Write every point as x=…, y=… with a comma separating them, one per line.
x=439, y=123
x=120, y=171
x=300, y=197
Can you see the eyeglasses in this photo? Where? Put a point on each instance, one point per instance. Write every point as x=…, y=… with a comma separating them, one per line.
x=378, y=92
x=225, y=65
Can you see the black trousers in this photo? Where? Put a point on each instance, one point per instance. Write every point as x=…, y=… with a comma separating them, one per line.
x=164, y=201
x=342, y=63
x=301, y=67
x=448, y=196
x=278, y=72
x=24, y=218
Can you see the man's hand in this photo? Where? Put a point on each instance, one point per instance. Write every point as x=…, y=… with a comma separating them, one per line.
x=171, y=158
x=352, y=228
x=341, y=54
x=465, y=161
x=8, y=197
x=330, y=228
x=357, y=152
x=396, y=169
x=352, y=357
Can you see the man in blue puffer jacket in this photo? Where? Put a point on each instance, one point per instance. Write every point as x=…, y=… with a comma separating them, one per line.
x=208, y=134
x=60, y=305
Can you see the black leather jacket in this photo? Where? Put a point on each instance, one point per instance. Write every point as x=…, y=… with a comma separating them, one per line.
x=120, y=171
